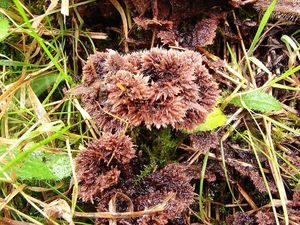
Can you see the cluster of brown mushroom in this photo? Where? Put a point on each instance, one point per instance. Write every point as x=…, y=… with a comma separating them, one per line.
x=156, y=88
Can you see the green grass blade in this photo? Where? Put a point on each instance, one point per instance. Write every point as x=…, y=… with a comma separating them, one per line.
x=261, y=27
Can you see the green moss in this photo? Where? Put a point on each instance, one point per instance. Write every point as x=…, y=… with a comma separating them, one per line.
x=163, y=146
x=145, y=172
x=159, y=147
x=4, y=3
x=36, y=6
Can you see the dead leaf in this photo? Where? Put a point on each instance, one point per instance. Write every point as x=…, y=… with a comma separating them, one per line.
x=59, y=209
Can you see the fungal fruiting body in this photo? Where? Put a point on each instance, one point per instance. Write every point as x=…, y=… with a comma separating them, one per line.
x=170, y=185
x=105, y=170
x=94, y=176
x=156, y=88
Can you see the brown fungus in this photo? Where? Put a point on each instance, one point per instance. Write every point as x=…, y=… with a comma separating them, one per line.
x=169, y=185
x=154, y=189
x=204, y=141
x=93, y=170
x=155, y=88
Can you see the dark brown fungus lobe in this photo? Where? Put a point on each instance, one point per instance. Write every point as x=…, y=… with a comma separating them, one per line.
x=167, y=37
x=154, y=220
x=95, y=105
x=264, y=218
x=155, y=188
x=253, y=174
x=296, y=198
x=94, y=174
x=204, y=32
x=141, y=6
x=162, y=113
x=170, y=186
x=170, y=72
x=204, y=141
x=207, y=94
x=117, y=146
x=133, y=62
x=240, y=218
x=284, y=9
x=156, y=87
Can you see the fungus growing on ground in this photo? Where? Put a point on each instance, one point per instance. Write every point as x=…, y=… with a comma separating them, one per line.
x=171, y=182
x=204, y=141
x=102, y=171
x=94, y=173
x=155, y=88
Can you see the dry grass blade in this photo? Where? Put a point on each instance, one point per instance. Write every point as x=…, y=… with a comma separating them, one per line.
x=96, y=35
x=276, y=170
x=23, y=215
x=6, y=221
x=32, y=201
x=11, y=196
x=39, y=19
x=18, y=142
x=110, y=215
x=59, y=209
x=124, y=21
x=65, y=7
x=247, y=197
x=113, y=205
x=38, y=108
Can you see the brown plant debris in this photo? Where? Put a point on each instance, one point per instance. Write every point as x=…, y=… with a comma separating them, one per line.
x=141, y=6
x=293, y=159
x=264, y=216
x=156, y=87
x=172, y=178
x=150, y=24
x=58, y=209
x=296, y=198
x=176, y=10
x=169, y=16
x=94, y=173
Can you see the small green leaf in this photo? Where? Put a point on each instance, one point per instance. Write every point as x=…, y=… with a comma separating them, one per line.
x=44, y=166
x=257, y=100
x=4, y=24
x=34, y=169
x=215, y=119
